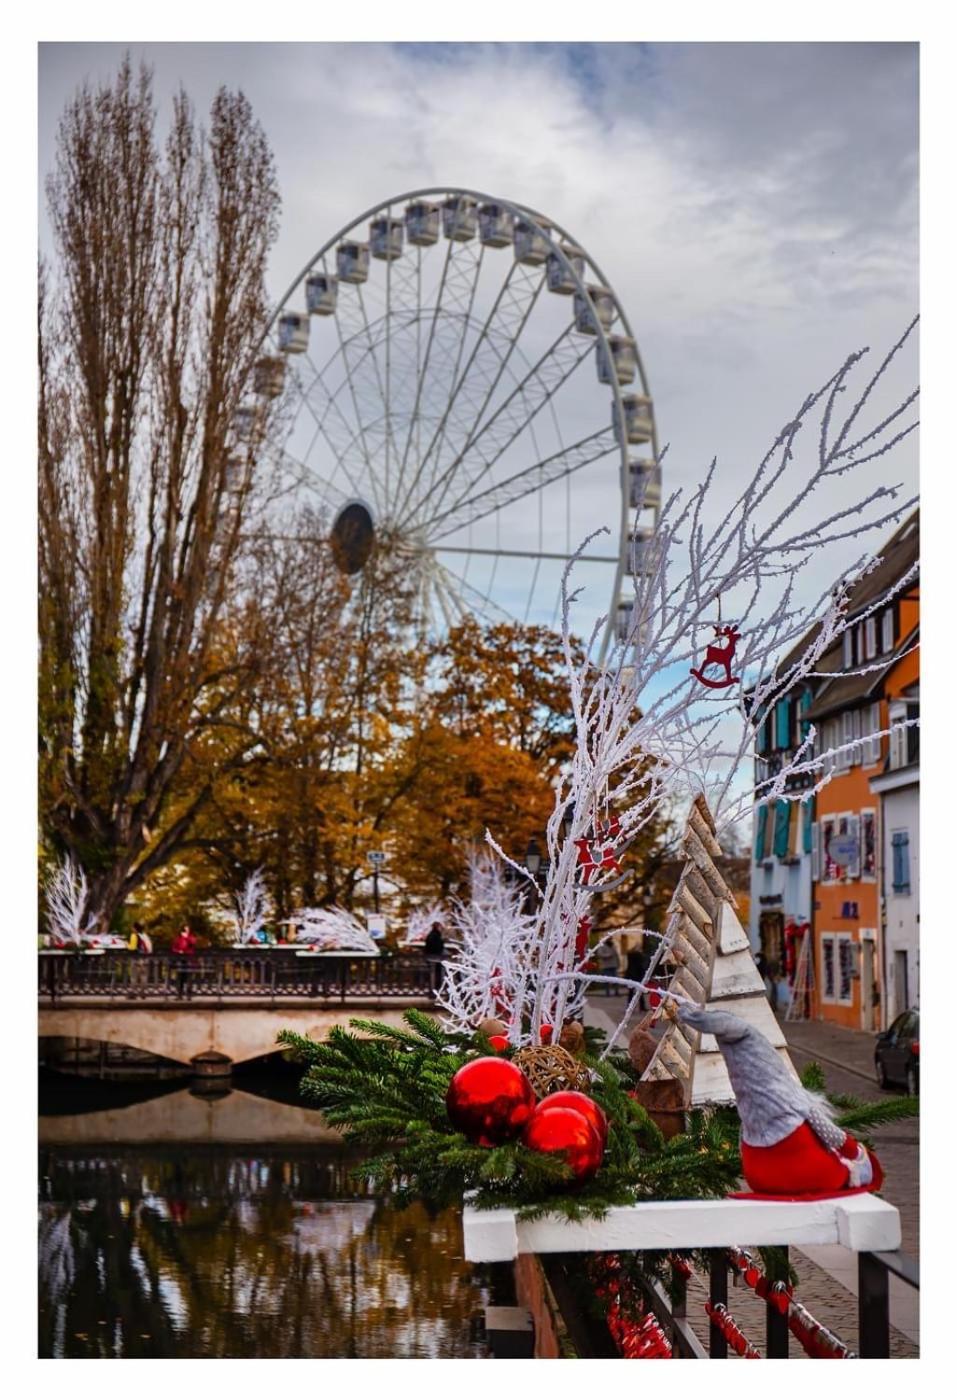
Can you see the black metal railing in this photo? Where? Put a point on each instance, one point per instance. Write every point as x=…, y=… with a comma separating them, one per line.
x=670, y=1307
x=235, y=974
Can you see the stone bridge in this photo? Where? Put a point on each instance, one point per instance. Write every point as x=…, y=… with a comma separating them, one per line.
x=183, y=1033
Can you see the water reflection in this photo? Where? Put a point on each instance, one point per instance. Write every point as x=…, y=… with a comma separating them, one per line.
x=169, y=1249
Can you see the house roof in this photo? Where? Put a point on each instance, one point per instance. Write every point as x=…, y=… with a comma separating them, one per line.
x=846, y=691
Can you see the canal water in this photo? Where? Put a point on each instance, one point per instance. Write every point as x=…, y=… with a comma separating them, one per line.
x=176, y=1224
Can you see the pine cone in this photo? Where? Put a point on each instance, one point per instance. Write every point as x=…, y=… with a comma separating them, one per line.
x=572, y=1037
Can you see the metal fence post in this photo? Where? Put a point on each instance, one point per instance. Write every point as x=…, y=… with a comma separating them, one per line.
x=718, y=1293
x=873, y=1306
x=778, y=1334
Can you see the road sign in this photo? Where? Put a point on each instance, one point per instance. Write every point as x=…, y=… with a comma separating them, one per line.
x=376, y=925
x=376, y=857
x=842, y=849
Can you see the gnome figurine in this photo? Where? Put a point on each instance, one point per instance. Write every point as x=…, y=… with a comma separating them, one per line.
x=790, y=1145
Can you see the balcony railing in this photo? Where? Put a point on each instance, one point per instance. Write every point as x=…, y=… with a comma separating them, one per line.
x=233, y=974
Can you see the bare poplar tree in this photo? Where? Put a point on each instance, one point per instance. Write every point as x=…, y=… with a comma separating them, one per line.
x=149, y=320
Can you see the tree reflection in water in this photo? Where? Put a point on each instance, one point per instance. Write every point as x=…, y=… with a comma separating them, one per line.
x=201, y=1252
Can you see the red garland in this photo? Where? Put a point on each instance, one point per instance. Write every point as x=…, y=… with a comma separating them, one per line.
x=639, y=1335
x=730, y=1330
x=816, y=1339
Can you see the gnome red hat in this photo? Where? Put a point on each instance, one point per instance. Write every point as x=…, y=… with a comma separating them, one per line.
x=790, y=1145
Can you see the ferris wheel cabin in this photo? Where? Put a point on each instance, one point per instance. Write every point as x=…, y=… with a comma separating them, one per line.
x=293, y=332
x=642, y=551
x=322, y=291
x=557, y=276
x=422, y=223
x=644, y=484
x=531, y=241
x=352, y=261
x=459, y=218
x=385, y=238
x=495, y=226
x=637, y=412
x=269, y=375
x=597, y=303
x=623, y=353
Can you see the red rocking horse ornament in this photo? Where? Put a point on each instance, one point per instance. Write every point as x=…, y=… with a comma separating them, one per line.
x=719, y=655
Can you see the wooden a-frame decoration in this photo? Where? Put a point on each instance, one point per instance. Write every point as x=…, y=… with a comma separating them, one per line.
x=714, y=966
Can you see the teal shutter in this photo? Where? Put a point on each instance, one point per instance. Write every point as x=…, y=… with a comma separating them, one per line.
x=782, y=724
x=804, y=704
x=807, y=814
x=760, y=830
x=782, y=821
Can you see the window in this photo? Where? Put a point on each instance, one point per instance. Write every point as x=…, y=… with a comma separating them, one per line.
x=782, y=724
x=782, y=822
x=898, y=735
x=900, y=855
x=838, y=963
x=872, y=746
x=803, y=705
x=870, y=638
x=852, y=828
x=887, y=630
x=807, y=827
x=848, y=655
x=815, y=852
x=829, y=869
x=869, y=844
x=850, y=738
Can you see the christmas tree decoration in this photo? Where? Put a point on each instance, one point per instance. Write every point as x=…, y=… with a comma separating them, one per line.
x=333, y=930
x=791, y=1147
x=490, y=1100
x=498, y=1042
x=572, y=1038
x=491, y=1025
x=550, y=1069
x=251, y=907
x=721, y=657
x=581, y=1103
x=567, y=1133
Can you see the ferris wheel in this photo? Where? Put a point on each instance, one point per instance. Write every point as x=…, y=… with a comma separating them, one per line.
x=461, y=384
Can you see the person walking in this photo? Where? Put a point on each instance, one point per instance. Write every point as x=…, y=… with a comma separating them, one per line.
x=434, y=949
x=138, y=944
x=184, y=947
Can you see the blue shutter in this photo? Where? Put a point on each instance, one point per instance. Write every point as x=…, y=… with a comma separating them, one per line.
x=782, y=821
x=760, y=829
x=804, y=704
x=761, y=741
x=782, y=724
x=807, y=811
x=900, y=845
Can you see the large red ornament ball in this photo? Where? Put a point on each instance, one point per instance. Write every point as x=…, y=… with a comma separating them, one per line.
x=490, y=1100
x=581, y=1103
x=569, y=1133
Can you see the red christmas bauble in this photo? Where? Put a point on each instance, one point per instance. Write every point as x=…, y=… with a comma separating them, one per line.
x=498, y=1042
x=569, y=1133
x=581, y=1103
x=546, y=1033
x=490, y=1100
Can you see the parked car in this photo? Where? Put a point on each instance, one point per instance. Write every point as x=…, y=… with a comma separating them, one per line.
x=897, y=1053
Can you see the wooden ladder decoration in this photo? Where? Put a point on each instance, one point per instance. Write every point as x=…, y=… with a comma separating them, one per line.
x=803, y=983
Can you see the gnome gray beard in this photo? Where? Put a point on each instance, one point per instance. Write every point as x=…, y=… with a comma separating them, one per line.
x=771, y=1102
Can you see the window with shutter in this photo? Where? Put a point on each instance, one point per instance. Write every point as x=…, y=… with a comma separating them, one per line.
x=887, y=630
x=827, y=958
x=870, y=638
x=872, y=743
x=898, y=735
x=815, y=851
x=782, y=724
x=804, y=704
x=853, y=870
x=900, y=851
x=850, y=730
x=782, y=821
x=807, y=826
x=829, y=869
x=760, y=828
x=848, y=644
x=846, y=960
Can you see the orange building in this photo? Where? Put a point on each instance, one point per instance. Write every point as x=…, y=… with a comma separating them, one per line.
x=849, y=711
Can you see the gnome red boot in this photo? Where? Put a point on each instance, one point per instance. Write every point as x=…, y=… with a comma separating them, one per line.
x=790, y=1145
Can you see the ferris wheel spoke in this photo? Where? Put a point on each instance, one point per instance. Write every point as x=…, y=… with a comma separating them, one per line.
x=470, y=598
x=533, y=393
x=423, y=365
x=494, y=346
x=460, y=286
x=340, y=452
x=523, y=483
x=370, y=474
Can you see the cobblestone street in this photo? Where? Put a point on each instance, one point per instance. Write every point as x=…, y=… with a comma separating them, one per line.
x=828, y=1274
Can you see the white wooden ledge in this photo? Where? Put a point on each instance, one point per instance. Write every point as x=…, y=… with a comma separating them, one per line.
x=856, y=1222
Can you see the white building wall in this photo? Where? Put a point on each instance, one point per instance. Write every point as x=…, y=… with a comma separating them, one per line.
x=900, y=811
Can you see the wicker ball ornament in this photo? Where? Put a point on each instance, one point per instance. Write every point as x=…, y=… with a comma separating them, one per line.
x=550, y=1068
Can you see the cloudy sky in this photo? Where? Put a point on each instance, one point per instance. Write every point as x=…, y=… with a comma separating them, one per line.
x=754, y=205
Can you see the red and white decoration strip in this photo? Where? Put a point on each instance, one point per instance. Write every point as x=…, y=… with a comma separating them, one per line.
x=816, y=1340
x=730, y=1330
x=778, y=1294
